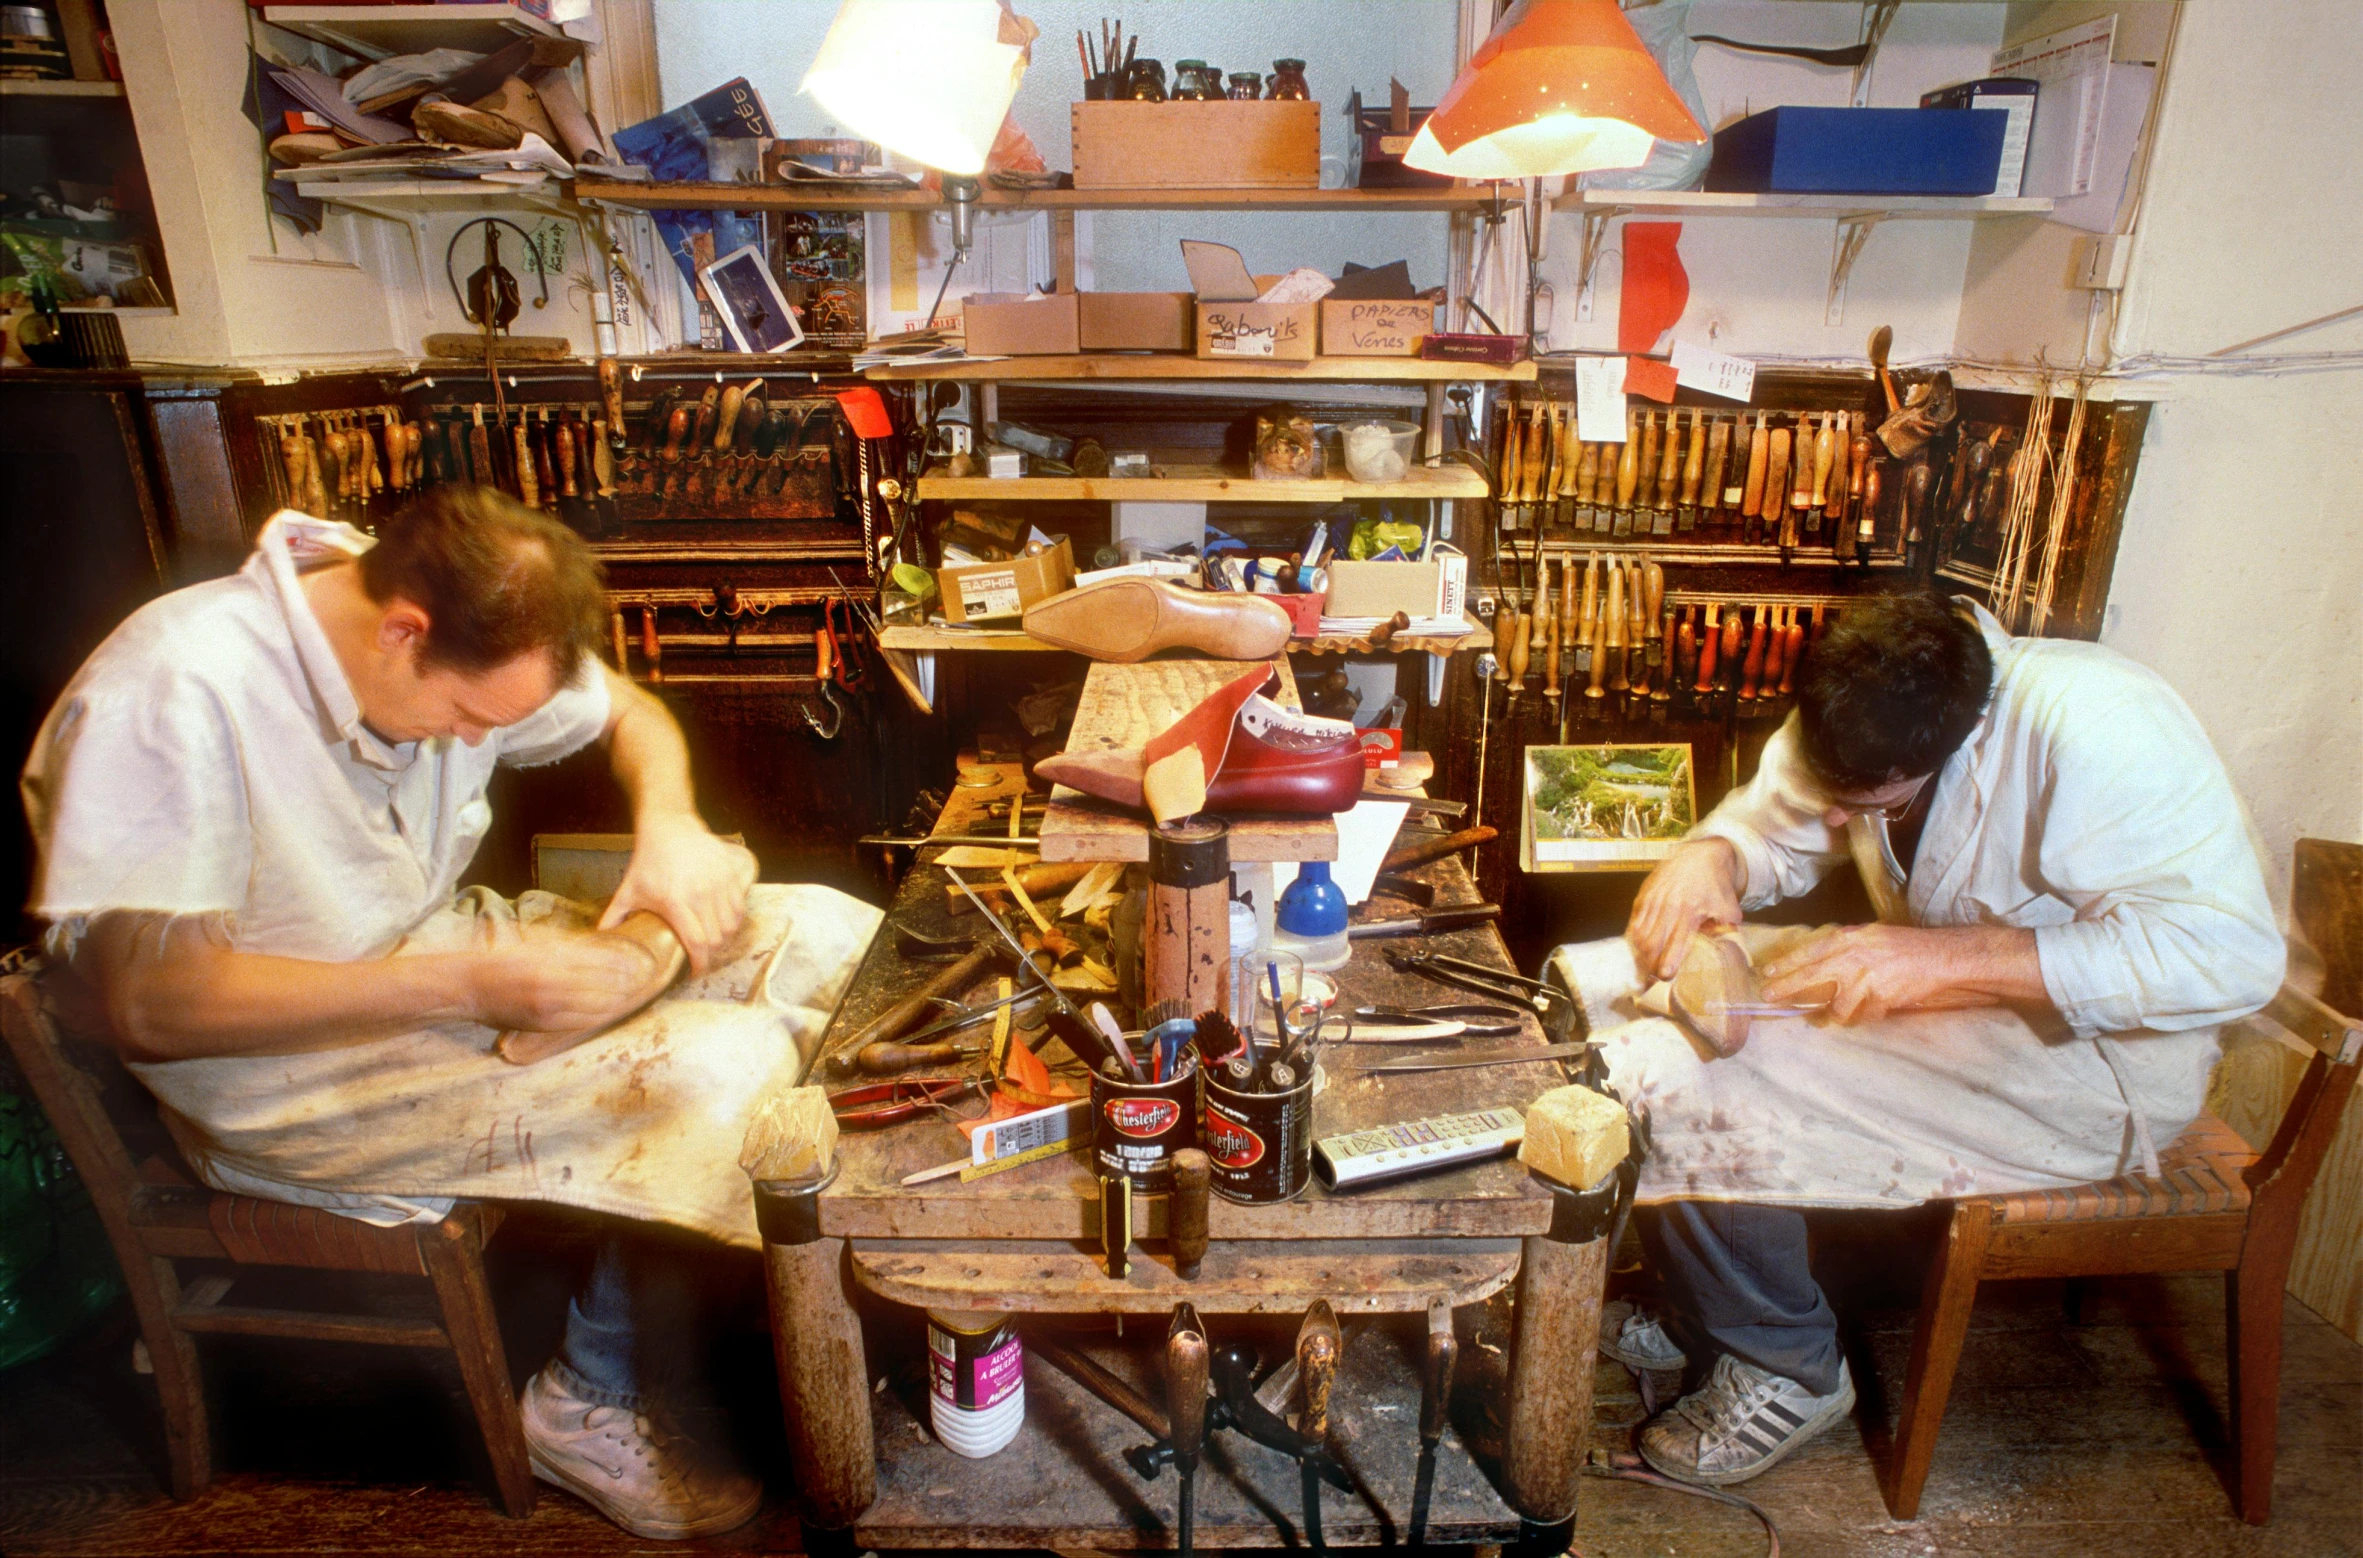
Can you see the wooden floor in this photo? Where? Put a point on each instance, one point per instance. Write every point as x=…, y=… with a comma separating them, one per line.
x=2106, y=1437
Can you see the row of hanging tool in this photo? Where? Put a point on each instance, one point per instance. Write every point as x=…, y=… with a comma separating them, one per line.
x=728, y=443
x=1607, y=643
x=1787, y=479
x=337, y=464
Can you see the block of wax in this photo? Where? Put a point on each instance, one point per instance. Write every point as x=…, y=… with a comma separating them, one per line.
x=1574, y=1135
x=793, y=1136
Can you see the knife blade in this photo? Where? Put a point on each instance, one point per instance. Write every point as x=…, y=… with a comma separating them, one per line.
x=1516, y=1057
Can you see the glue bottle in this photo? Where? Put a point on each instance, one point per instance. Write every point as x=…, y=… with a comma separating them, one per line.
x=1312, y=920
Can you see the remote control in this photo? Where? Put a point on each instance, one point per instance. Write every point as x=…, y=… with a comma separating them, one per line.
x=1385, y=1152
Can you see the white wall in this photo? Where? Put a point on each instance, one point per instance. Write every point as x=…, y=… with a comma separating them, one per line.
x=2240, y=576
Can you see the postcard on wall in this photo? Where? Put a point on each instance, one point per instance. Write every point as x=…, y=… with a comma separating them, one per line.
x=820, y=261
x=1607, y=807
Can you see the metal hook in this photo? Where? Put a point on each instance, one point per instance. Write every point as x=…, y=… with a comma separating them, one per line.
x=828, y=692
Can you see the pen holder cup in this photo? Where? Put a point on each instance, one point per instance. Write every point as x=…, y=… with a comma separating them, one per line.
x=1137, y=1127
x=1260, y=1145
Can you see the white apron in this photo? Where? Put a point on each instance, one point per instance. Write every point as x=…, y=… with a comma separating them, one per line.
x=644, y=1121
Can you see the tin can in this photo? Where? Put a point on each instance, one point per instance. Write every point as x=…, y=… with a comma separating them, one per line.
x=1137, y=1127
x=1260, y=1145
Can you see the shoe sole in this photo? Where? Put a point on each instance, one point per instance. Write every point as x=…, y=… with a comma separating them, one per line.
x=654, y=1530
x=1838, y=1407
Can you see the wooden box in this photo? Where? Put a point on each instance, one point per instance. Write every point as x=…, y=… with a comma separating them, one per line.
x=1375, y=327
x=1217, y=145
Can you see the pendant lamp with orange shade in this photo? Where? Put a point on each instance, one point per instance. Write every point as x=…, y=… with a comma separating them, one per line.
x=1560, y=86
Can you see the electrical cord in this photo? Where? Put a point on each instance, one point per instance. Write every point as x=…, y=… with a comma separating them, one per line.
x=1620, y=1467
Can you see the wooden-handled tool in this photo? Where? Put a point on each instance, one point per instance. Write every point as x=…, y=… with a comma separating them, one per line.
x=1759, y=456
x=1867, y=515
x=907, y=1013
x=1545, y=633
x=1917, y=481
x=1752, y=670
x=528, y=492
x=1435, y=1412
x=1709, y=643
x=1538, y=455
x=1669, y=468
x=1420, y=851
x=1587, y=476
x=1570, y=625
x=611, y=396
x=1802, y=455
x=1792, y=651
x=1686, y=649
x=1319, y=1346
x=1694, y=464
x=701, y=427
x=1187, y=1359
x=291, y=458
x=1628, y=461
x=1570, y=450
x=886, y=1058
x=1512, y=469
x=1825, y=457
x=1612, y=626
x=1653, y=604
x=1645, y=492
x=563, y=458
x=1776, y=470
x=1587, y=630
x=1185, y=1214
x=480, y=448
x=1734, y=640
x=1723, y=492
x=726, y=414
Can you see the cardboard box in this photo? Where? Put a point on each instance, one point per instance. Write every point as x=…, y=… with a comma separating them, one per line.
x=999, y=325
x=1217, y=145
x=1436, y=587
x=978, y=592
x=1304, y=613
x=1137, y=321
x=1375, y=328
x=1266, y=332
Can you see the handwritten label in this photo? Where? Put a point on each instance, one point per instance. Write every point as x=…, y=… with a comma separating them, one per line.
x=1600, y=399
x=1378, y=328
x=1713, y=372
x=1271, y=333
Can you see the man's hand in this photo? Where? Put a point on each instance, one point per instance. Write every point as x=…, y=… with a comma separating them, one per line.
x=558, y=982
x=690, y=879
x=1698, y=884
x=1865, y=972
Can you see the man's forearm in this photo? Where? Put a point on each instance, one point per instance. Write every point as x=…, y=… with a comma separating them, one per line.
x=648, y=756
x=1986, y=964
x=170, y=993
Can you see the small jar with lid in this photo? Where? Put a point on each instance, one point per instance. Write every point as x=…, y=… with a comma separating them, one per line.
x=1288, y=82
x=1192, y=82
x=1147, y=82
x=1247, y=86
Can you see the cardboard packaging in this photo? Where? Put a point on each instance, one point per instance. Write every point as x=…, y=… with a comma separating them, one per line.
x=999, y=325
x=1375, y=328
x=1860, y=151
x=1267, y=332
x=1304, y=613
x=1380, y=137
x=1217, y=145
x=1137, y=321
x=978, y=592
x=1436, y=587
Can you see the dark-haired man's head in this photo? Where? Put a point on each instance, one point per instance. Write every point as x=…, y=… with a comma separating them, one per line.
x=1890, y=692
x=485, y=609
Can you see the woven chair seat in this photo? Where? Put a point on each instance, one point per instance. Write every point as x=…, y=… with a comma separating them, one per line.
x=2200, y=1171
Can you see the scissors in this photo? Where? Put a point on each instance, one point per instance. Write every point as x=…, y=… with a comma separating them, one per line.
x=878, y=1104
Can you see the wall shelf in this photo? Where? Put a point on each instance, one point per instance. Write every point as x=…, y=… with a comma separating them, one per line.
x=1120, y=365
x=930, y=637
x=374, y=32
x=1200, y=484
x=686, y=195
x=61, y=89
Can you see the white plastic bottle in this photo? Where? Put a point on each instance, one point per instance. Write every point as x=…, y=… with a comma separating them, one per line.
x=976, y=1381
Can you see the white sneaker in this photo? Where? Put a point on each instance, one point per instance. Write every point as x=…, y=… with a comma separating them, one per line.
x=652, y=1483
x=1634, y=1334
x=1741, y=1422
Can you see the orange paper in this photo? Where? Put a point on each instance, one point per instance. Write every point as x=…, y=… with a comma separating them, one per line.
x=1656, y=287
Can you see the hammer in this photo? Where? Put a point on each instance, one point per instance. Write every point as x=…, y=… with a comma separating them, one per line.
x=1435, y=1401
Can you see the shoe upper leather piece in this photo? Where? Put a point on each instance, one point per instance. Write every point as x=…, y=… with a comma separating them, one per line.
x=1263, y=759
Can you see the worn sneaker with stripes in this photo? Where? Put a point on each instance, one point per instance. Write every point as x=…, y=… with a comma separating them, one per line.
x=1634, y=1334
x=1740, y=1423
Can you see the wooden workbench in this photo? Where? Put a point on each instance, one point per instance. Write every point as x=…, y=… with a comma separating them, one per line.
x=1024, y=1240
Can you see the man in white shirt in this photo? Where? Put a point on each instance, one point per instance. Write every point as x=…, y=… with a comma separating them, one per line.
x=2071, y=904
x=261, y=789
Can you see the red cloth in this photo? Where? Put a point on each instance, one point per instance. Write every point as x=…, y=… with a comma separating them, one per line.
x=1656, y=288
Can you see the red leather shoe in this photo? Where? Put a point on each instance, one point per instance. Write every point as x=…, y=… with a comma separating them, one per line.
x=1263, y=758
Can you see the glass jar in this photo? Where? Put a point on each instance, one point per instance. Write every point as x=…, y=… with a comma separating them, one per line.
x=1288, y=82
x=1147, y=82
x=1191, y=83
x=1246, y=86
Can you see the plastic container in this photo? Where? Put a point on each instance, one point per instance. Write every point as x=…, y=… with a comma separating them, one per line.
x=1312, y=920
x=976, y=1381
x=1379, y=451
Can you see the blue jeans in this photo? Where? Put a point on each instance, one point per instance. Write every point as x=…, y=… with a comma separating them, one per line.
x=1738, y=1276
x=631, y=1326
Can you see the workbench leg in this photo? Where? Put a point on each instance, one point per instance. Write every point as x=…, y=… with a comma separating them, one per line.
x=824, y=1381
x=1561, y=1276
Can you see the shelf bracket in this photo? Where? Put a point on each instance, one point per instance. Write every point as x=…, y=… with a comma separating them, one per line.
x=1877, y=14
x=1845, y=247
x=1588, y=259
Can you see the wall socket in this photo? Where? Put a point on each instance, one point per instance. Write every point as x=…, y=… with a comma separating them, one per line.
x=2104, y=261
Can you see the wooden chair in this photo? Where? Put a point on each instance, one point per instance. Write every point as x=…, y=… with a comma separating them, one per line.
x=155, y=1216
x=2217, y=1206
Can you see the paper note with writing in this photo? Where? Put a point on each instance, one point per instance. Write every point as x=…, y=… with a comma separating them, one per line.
x=2072, y=70
x=1600, y=399
x=1717, y=373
